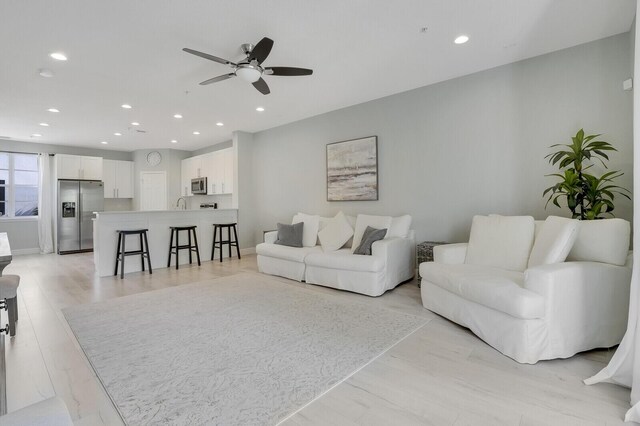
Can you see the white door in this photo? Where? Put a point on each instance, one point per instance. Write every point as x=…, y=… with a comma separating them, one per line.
x=227, y=185
x=68, y=166
x=153, y=191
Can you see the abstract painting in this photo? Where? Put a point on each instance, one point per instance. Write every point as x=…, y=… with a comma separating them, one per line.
x=352, y=170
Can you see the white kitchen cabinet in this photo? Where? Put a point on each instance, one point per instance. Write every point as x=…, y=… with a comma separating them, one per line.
x=118, y=179
x=216, y=166
x=186, y=173
x=78, y=167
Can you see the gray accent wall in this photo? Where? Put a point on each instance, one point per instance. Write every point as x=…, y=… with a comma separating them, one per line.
x=472, y=145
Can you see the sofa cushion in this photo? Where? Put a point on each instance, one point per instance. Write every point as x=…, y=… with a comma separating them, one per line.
x=494, y=288
x=370, y=236
x=310, y=231
x=604, y=240
x=501, y=241
x=399, y=227
x=335, y=233
x=364, y=220
x=343, y=259
x=295, y=254
x=554, y=241
x=290, y=235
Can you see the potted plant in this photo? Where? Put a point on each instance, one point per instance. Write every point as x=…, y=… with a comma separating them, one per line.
x=587, y=196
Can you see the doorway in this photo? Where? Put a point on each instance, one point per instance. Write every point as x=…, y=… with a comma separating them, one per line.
x=153, y=190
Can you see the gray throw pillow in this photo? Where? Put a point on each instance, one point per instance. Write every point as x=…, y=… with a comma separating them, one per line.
x=290, y=235
x=370, y=236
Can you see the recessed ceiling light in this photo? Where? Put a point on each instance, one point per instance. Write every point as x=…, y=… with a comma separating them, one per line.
x=219, y=124
x=174, y=141
x=44, y=124
x=117, y=134
x=196, y=132
x=58, y=56
x=177, y=116
x=45, y=72
x=36, y=135
x=104, y=142
x=126, y=106
x=259, y=109
x=135, y=123
x=53, y=110
x=461, y=39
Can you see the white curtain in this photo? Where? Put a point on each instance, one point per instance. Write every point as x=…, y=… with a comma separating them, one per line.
x=45, y=205
x=624, y=367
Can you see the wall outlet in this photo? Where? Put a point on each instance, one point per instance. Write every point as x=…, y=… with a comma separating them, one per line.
x=627, y=84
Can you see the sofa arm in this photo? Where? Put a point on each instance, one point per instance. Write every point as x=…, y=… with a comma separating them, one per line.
x=450, y=254
x=581, y=295
x=396, y=251
x=270, y=237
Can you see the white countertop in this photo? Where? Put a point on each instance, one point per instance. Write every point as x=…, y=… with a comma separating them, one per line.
x=161, y=211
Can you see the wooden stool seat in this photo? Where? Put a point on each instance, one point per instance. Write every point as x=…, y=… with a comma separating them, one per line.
x=229, y=242
x=192, y=245
x=121, y=251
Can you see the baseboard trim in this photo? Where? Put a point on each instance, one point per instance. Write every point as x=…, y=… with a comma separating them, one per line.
x=19, y=252
x=248, y=250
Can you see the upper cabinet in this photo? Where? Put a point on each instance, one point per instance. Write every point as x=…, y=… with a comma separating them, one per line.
x=216, y=166
x=118, y=179
x=78, y=167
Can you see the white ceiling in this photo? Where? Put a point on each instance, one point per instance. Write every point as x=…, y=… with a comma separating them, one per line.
x=123, y=51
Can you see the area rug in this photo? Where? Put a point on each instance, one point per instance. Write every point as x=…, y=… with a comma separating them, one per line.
x=240, y=350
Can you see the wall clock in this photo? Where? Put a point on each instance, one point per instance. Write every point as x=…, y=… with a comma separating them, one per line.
x=154, y=158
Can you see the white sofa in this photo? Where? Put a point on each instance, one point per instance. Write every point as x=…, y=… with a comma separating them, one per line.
x=391, y=262
x=544, y=311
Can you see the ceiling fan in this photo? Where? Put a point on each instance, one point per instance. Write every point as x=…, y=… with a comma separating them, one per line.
x=250, y=69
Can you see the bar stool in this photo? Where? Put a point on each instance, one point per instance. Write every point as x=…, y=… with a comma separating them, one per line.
x=220, y=243
x=9, y=292
x=191, y=246
x=121, y=252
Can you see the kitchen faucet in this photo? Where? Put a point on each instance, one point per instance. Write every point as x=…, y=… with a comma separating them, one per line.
x=184, y=204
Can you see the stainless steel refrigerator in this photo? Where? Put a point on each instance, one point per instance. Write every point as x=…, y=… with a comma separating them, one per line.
x=77, y=200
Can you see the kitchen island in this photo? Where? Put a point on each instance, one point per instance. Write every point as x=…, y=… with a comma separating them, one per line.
x=105, y=237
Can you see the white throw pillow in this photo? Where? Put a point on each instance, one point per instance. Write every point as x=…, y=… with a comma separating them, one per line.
x=362, y=221
x=399, y=226
x=352, y=223
x=310, y=229
x=604, y=240
x=501, y=241
x=554, y=241
x=336, y=232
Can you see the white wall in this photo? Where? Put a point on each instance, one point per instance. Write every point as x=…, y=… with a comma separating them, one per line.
x=472, y=145
x=171, y=164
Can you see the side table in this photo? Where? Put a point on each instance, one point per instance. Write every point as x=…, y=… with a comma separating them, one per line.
x=424, y=253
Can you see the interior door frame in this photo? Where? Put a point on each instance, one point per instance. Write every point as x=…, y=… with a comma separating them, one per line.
x=159, y=172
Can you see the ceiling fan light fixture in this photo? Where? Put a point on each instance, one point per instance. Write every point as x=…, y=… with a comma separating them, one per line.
x=249, y=74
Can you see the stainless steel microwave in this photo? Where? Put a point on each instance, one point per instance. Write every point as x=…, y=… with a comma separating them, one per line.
x=199, y=186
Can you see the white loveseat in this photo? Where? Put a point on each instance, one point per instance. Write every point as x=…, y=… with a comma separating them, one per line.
x=392, y=261
x=539, y=311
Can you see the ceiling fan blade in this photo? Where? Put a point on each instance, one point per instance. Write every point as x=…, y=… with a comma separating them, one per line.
x=209, y=57
x=217, y=79
x=261, y=50
x=262, y=86
x=287, y=71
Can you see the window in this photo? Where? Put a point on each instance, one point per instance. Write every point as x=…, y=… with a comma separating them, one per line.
x=18, y=185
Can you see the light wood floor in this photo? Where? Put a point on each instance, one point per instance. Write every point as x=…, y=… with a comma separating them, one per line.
x=441, y=374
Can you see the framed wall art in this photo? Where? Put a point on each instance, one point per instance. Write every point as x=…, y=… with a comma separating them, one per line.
x=352, y=170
